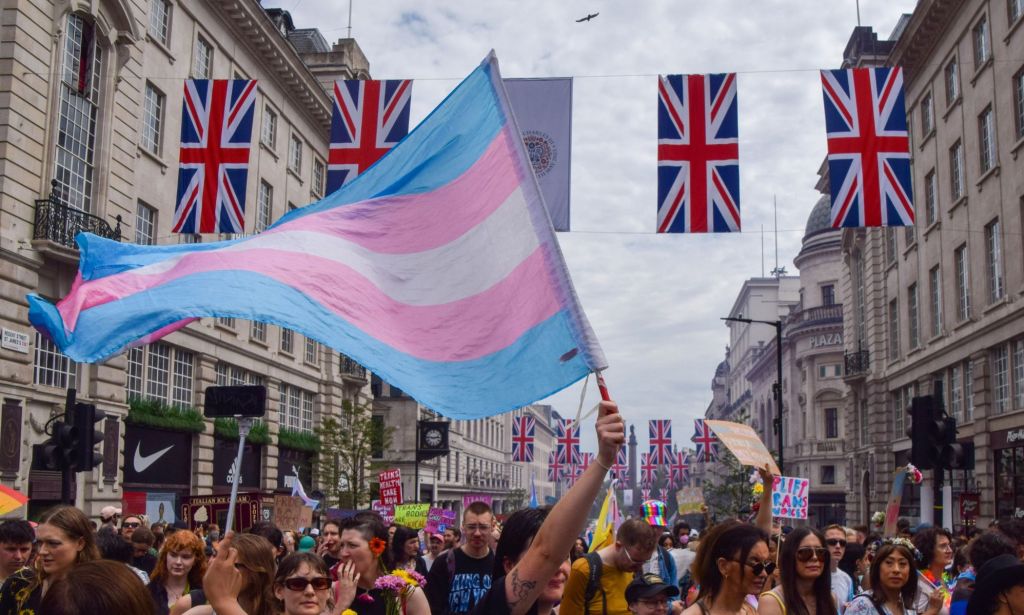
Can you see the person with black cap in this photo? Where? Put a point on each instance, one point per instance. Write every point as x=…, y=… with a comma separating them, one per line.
x=648, y=593
x=999, y=589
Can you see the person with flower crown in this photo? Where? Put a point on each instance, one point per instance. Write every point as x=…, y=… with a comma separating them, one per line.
x=893, y=579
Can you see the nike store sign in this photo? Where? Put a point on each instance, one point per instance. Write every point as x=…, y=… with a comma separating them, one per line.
x=157, y=457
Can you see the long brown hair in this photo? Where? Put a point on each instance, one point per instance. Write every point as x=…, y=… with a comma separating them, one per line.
x=75, y=525
x=256, y=555
x=732, y=541
x=182, y=541
x=822, y=586
x=100, y=586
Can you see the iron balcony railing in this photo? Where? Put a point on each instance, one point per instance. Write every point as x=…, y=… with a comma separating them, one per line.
x=857, y=362
x=351, y=368
x=60, y=223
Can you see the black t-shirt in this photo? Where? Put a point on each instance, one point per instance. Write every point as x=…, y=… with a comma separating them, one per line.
x=146, y=563
x=459, y=592
x=331, y=561
x=495, y=602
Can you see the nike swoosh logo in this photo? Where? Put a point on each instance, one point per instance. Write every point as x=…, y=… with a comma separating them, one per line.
x=142, y=463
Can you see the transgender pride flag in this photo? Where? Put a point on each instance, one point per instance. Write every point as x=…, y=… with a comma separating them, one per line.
x=437, y=269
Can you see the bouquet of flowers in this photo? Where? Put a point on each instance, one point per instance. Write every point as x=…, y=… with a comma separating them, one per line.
x=878, y=518
x=914, y=474
x=396, y=587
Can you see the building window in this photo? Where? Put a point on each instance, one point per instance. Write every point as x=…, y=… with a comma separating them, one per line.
x=307, y=411
x=987, y=133
x=268, y=132
x=994, y=261
x=865, y=435
x=931, y=206
x=1018, y=101
x=145, y=224
x=956, y=393
x=158, y=372
x=150, y=375
x=935, y=296
x=318, y=177
x=956, y=171
x=264, y=206
x=52, y=367
x=295, y=154
x=312, y=351
x=968, y=390
x=860, y=305
x=828, y=475
x=182, y=387
x=226, y=321
x=951, y=76
x=79, y=109
x=1014, y=9
x=927, y=115
x=913, y=322
x=231, y=375
x=160, y=20
x=1001, y=378
x=982, y=46
x=202, y=59
x=290, y=407
x=287, y=340
x=828, y=294
x=831, y=422
x=891, y=246
x=1018, y=374
x=894, y=330
x=258, y=331
x=963, y=289
x=152, y=119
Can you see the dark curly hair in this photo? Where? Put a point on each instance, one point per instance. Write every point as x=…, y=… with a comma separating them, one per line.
x=925, y=541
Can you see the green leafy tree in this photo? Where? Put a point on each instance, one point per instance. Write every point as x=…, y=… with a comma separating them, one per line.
x=728, y=492
x=348, y=448
x=516, y=499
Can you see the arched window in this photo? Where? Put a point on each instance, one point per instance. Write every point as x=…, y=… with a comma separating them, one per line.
x=81, y=63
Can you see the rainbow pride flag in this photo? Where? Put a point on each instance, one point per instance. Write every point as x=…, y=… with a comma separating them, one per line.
x=437, y=269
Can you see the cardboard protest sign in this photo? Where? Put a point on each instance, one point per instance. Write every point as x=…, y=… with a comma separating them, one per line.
x=390, y=486
x=411, y=515
x=435, y=517
x=469, y=498
x=690, y=500
x=290, y=513
x=790, y=497
x=742, y=441
x=386, y=511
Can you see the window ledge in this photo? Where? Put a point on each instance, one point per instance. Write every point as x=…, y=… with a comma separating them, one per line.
x=1013, y=27
x=162, y=47
x=223, y=327
x=951, y=106
x=937, y=337
x=910, y=248
x=927, y=136
x=963, y=323
x=915, y=350
x=155, y=158
x=987, y=174
x=931, y=227
x=287, y=353
x=957, y=203
x=256, y=340
x=997, y=303
x=269, y=149
x=296, y=175
x=981, y=69
x=1016, y=146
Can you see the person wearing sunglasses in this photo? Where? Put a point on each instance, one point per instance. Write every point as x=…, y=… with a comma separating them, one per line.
x=129, y=525
x=842, y=584
x=732, y=563
x=302, y=584
x=805, y=589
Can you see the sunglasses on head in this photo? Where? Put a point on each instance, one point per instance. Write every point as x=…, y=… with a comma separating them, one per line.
x=835, y=541
x=765, y=567
x=804, y=554
x=298, y=584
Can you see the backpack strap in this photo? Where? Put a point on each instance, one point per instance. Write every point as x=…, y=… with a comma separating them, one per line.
x=594, y=582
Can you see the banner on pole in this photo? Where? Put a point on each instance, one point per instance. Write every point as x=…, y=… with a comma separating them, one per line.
x=690, y=500
x=790, y=497
x=743, y=442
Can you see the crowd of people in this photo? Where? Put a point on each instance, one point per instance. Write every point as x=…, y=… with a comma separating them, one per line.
x=538, y=561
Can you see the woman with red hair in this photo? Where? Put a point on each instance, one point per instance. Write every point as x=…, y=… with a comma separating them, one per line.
x=179, y=569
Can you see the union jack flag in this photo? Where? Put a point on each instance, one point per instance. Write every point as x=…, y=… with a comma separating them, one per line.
x=705, y=440
x=575, y=472
x=555, y=467
x=645, y=494
x=567, y=442
x=216, y=134
x=523, y=431
x=659, y=435
x=663, y=494
x=868, y=147
x=586, y=459
x=648, y=470
x=680, y=468
x=698, y=154
x=620, y=469
x=370, y=117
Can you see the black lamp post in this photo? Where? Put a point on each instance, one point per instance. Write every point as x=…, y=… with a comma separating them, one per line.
x=777, y=387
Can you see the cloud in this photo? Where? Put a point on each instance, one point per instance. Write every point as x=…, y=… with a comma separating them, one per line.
x=654, y=301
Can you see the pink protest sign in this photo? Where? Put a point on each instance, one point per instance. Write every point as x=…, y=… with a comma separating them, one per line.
x=790, y=497
x=469, y=498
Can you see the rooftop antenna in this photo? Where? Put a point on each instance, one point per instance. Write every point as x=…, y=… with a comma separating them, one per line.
x=778, y=272
x=858, y=13
x=350, y=17
x=762, y=250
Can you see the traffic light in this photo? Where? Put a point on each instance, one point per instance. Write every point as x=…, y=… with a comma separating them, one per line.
x=952, y=455
x=58, y=452
x=86, y=457
x=926, y=432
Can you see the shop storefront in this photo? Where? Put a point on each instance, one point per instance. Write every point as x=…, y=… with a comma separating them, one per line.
x=250, y=508
x=157, y=471
x=292, y=463
x=224, y=453
x=1008, y=446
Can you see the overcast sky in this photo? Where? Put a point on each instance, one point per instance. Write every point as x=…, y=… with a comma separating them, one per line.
x=653, y=300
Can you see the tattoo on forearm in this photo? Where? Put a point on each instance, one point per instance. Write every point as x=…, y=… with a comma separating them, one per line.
x=520, y=589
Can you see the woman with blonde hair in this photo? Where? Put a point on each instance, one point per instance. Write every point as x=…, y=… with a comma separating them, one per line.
x=180, y=567
x=65, y=539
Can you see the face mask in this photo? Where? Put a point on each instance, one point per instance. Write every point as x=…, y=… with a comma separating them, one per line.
x=683, y=540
